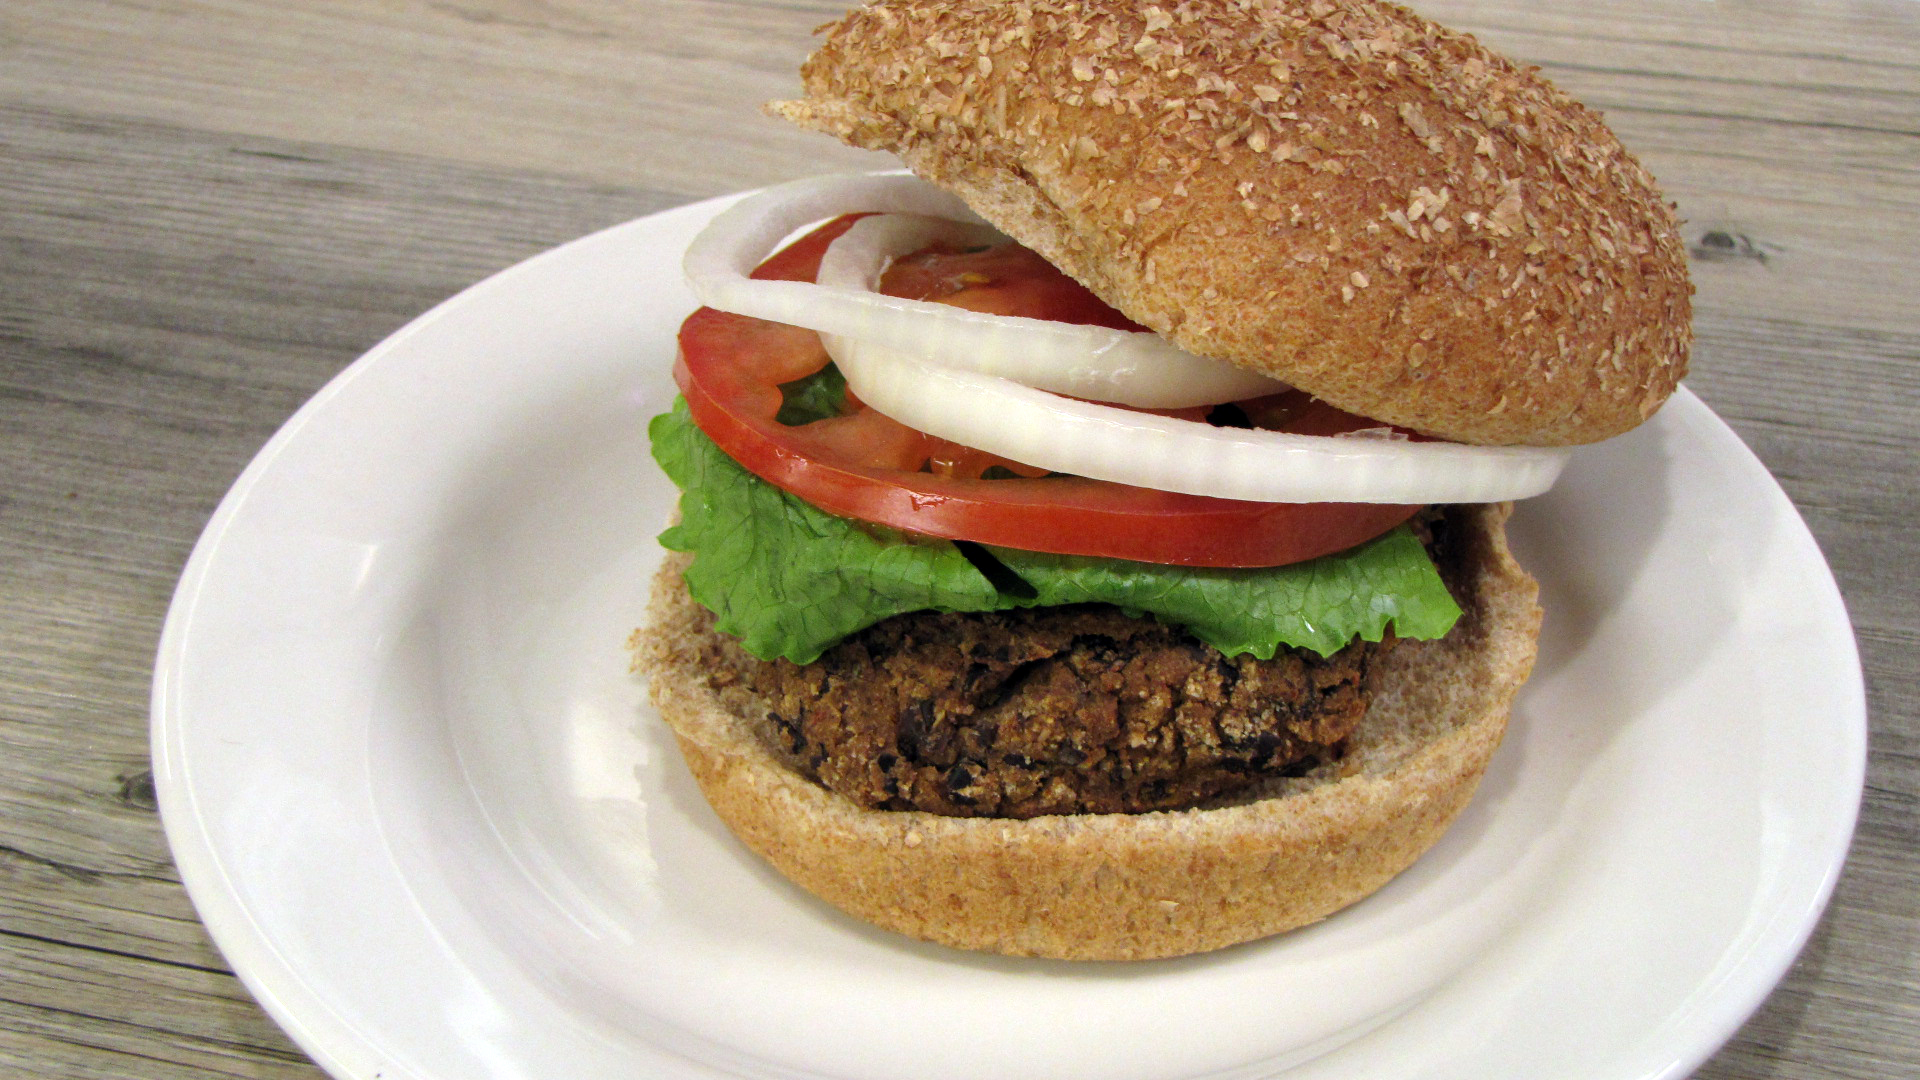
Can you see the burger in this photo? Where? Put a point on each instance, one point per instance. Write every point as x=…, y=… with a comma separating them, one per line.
x=1091, y=544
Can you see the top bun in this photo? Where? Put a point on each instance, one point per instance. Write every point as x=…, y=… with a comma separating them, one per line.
x=1339, y=193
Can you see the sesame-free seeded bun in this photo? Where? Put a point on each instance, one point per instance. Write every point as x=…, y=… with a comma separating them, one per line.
x=1124, y=886
x=1339, y=193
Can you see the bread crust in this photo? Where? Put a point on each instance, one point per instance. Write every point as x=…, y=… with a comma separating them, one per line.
x=1339, y=193
x=1128, y=886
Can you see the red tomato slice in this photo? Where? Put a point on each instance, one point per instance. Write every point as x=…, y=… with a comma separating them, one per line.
x=863, y=465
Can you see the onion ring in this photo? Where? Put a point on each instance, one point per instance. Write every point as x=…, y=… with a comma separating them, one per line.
x=1032, y=426
x=1139, y=369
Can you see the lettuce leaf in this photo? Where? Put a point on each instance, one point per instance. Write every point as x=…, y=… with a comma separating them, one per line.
x=1319, y=605
x=788, y=579
x=791, y=580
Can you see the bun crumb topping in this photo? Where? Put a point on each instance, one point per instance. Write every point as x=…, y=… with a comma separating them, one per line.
x=1337, y=192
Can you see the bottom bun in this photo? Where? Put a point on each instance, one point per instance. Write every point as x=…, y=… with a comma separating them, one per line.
x=1128, y=886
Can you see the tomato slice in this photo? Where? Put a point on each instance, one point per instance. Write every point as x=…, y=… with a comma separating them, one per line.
x=863, y=465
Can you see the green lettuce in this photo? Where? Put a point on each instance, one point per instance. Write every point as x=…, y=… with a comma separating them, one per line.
x=791, y=580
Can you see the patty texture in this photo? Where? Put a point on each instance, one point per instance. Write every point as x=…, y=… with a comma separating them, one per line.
x=1081, y=709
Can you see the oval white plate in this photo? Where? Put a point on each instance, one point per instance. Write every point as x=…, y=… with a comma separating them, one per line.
x=423, y=809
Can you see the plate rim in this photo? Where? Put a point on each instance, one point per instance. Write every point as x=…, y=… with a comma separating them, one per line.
x=338, y=1047
x=309, y=1020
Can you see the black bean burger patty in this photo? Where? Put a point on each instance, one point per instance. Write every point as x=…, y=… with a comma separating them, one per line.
x=1080, y=709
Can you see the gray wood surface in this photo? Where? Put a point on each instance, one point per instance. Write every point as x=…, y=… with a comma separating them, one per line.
x=206, y=210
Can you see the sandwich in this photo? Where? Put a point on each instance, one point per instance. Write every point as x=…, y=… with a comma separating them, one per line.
x=1092, y=544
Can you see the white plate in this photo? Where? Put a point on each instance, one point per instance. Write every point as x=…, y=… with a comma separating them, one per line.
x=425, y=812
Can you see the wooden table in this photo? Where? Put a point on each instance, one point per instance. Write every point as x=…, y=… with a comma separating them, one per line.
x=206, y=210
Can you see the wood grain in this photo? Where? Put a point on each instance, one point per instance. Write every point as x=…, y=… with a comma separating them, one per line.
x=208, y=209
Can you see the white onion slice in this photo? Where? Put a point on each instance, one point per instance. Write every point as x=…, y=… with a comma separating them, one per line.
x=1092, y=362
x=1101, y=363
x=1087, y=439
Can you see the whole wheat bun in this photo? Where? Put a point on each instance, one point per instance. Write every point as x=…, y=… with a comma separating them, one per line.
x=1126, y=886
x=1339, y=193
